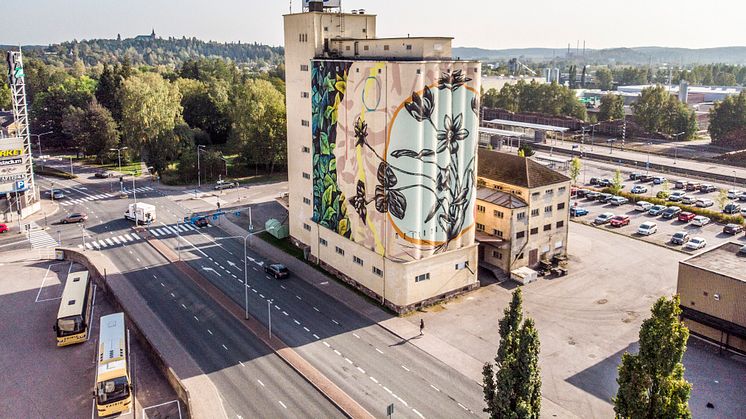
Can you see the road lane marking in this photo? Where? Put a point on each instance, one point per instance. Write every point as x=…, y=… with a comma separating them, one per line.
x=209, y=331
x=224, y=347
x=283, y=287
x=261, y=296
x=172, y=295
x=335, y=322
x=373, y=379
x=284, y=312
x=282, y=404
x=462, y=406
x=298, y=297
x=183, y=306
x=326, y=344
x=387, y=390
x=348, y=361
x=296, y=322
x=260, y=382
x=355, y=334
x=135, y=236
x=379, y=351
x=254, y=289
x=317, y=309
x=195, y=318
x=361, y=370
x=405, y=368
x=306, y=329
x=242, y=364
x=435, y=388
x=337, y=352
x=128, y=237
x=314, y=335
x=109, y=242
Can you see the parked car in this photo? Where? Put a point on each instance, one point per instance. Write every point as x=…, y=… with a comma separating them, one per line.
x=604, y=182
x=593, y=181
x=686, y=216
x=676, y=196
x=578, y=212
x=76, y=217
x=279, y=271
x=103, y=174
x=592, y=195
x=580, y=193
x=680, y=237
x=692, y=186
x=603, y=218
x=688, y=200
x=618, y=200
x=680, y=184
x=732, y=208
x=638, y=189
x=696, y=243
x=706, y=187
x=733, y=193
x=201, y=222
x=56, y=194
x=645, y=178
x=671, y=212
x=634, y=175
x=658, y=180
x=619, y=220
x=4, y=228
x=742, y=197
x=732, y=228
x=704, y=203
x=700, y=221
x=643, y=206
x=225, y=185
x=604, y=197
x=656, y=210
x=743, y=212
x=647, y=228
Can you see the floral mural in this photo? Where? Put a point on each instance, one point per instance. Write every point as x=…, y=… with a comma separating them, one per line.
x=404, y=155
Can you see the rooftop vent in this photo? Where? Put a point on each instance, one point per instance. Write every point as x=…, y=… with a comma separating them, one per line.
x=361, y=12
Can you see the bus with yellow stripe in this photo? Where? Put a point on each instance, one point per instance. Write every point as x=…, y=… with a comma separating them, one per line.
x=113, y=389
x=76, y=306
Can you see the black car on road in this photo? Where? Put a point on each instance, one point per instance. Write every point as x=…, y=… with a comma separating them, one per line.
x=278, y=270
x=670, y=212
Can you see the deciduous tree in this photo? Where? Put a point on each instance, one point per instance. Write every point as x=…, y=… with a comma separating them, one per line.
x=604, y=78
x=612, y=107
x=729, y=117
x=151, y=107
x=575, y=167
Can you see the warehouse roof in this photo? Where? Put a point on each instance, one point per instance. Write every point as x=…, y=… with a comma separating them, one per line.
x=516, y=170
x=724, y=260
x=500, y=198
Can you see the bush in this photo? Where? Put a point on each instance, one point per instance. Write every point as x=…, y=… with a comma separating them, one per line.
x=713, y=215
x=51, y=171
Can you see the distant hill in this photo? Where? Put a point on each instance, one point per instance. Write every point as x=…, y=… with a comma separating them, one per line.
x=636, y=55
x=152, y=51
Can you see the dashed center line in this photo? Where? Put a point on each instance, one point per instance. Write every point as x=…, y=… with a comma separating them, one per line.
x=209, y=331
x=435, y=388
x=355, y=334
x=405, y=368
x=260, y=382
x=306, y=329
x=224, y=347
x=379, y=351
x=335, y=322
x=296, y=322
x=282, y=404
x=317, y=309
x=373, y=379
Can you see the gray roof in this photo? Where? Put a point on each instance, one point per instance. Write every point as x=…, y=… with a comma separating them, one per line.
x=516, y=170
x=724, y=259
x=500, y=198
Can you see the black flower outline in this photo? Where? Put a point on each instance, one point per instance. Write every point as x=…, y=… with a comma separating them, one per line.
x=361, y=132
x=359, y=202
x=421, y=107
x=389, y=199
x=452, y=133
x=452, y=80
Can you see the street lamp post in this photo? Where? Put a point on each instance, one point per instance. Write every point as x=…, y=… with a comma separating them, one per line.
x=200, y=147
x=245, y=270
x=593, y=133
x=38, y=141
x=734, y=180
x=269, y=317
x=611, y=144
x=647, y=166
x=119, y=156
x=675, y=147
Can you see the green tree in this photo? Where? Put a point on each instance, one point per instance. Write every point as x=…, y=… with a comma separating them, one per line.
x=6, y=99
x=93, y=129
x=651, y=382
x=728, y=119
x=151, y=107
x=722, y=199
x=604, y=79
x=612, y=107
x=109, y=89
x=575, y=167
x=512, y=385
x=49, y=107
x=616, y=182
x=258, y=124
x=206, y=106
x=572, y=77
x=658, y=111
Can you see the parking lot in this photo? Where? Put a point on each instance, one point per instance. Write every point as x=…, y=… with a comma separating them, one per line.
x=43, y=380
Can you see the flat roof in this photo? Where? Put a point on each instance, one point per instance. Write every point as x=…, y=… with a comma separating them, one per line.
x=724, y=260
x=393, y=38
x=412, y=60
x=503, y=132
x=528, y=125
x=500, y=198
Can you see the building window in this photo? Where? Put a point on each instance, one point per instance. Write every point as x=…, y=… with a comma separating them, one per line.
x=558, y=245
x=304, y=123
x=347, y=48
x=547, y=227
x=419, y=71
x=339, y=250
x=409, y=47
x=357, y=260
x=561, y=206
x=481, y=208
x=535, y=212
x=305, y=149
x=306, y=175
x=520, y=256
x=498, y=214
x=520, y=234
x=323, y=242
x=560, y=224
x=306, y=227
x=377, y=271
x=535, y=230
x=462, y=265
x=535, y=195
x=423, y=277
x=549, y=192
x=304, y=67
x=385, y=47
x=716, y=297
x=548, y=208
x=365, y=30
x=326, y=29
x=366, y=47
x=497, y=232
x=561, y=189
x=306, y=201
x=480, y=227
x=497, y=255
x=304, y=95
x=520, y=216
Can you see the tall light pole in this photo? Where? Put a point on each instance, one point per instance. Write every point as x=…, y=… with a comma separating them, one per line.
x=593, y=133
x=647, y=166
x=245, y=270
x=200, y=147
x=119, y=156
x=38, y=140
x=734, y=180
x=269, y=316
x=675, y=147
x=226, y=166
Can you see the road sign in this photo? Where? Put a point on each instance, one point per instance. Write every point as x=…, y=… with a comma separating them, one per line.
x=237, y=213
x=215, y=217
x=20, y=185
x=390, y=410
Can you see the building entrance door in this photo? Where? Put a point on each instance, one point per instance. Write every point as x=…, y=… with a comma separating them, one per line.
x=533, y=257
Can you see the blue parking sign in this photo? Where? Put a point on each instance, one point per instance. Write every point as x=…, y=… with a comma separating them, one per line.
x=20, y=185
x=214, y=217
x=237, y=213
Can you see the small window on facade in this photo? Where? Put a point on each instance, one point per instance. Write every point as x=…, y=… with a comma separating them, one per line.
x=357, y=260
x=306, y=175
x=520, y=216
x=480, y=208
x=385, y=47
x=326, y=29
x=716, y=297
x=462, y=265
x=561, y=206
x=480, y=227
x=534, y=212
x=409, y=47
x=323, y=242
x=304, y=94
x=304, y=67
x=419, y=71
x=535, y=195
x=498, y=214
x=365, y=30
x=422, y=277
x=307, y=227
x=520, y=256
x=377, y=271
x=535, y=230
x=347, y=48
x=560, y=224
x=520, y=234
x=305, y=149
x=306, y=201
x=547, y=227
x=549, y=192
x=562, y=189
x=366, y=47
x=304, y=123
x=497, y=232
x=339, y=250
x=497, y=255
x=548, y=208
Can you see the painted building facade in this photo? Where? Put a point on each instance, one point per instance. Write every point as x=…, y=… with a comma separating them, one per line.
x=382, y=139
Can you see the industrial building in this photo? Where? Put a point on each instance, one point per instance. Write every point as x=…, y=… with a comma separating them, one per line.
x=382, y=140
x=522, y=212
x=712, y=289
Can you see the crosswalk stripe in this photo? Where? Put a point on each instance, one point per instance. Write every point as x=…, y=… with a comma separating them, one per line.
x=181, y=228
x=159, y=231
x=88, y=245
x=109, y=242
x=172, y=231
x=135, y=236
x=95, y=244
x=116, y=240
x=190, y=227
x=128, y=237
x=101, y=243
x=155, y=232
x=87, y=198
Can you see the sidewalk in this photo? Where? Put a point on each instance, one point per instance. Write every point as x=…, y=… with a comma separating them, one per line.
x=429, y=343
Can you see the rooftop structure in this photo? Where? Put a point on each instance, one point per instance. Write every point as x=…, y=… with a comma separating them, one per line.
x=517, y=170
x=725, y=259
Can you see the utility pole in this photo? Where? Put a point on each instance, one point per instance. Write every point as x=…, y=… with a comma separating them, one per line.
x=200, y=147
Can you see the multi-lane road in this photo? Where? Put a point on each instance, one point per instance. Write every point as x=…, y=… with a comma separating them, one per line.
x=371, y=365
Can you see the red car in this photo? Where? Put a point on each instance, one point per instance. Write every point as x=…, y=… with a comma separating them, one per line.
x=686, y=216
x=4, y=228
x=619, y=220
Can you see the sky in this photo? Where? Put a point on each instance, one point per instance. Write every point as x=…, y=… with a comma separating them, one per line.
x=492, y=24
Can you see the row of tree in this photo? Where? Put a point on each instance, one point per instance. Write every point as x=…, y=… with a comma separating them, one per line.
x=728, y=122
x=550, y=98
x=651, y=382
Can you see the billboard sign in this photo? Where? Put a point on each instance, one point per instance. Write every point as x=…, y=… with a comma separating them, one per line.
x=327, y=3
x=12, y=164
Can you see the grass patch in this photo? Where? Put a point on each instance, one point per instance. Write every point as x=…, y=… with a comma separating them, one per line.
x=126, y=167
x=283, y=244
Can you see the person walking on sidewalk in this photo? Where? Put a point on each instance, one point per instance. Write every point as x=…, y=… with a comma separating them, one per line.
x=422, y=326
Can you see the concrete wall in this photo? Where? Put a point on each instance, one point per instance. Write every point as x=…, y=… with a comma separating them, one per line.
x=409, y=48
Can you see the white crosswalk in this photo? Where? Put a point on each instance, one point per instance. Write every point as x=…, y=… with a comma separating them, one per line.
x=125, y=238
x=40, y=238
x=89, y=198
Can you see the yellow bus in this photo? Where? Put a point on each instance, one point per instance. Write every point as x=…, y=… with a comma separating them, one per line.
x=113, y=390
x=76, y=306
